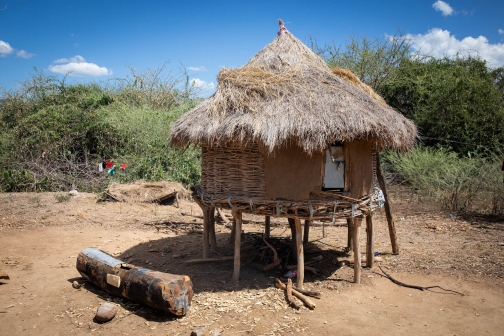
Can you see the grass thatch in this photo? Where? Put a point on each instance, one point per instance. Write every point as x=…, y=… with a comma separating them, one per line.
x=287, y=94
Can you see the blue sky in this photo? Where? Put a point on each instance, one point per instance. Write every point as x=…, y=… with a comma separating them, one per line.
x=97, y=40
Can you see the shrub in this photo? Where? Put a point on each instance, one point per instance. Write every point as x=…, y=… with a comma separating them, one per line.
x=457, y=183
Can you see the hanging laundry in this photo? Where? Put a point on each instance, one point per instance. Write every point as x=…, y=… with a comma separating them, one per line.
x=109, y=164
x=111, y=171
x=100, y=167
x=123, y=166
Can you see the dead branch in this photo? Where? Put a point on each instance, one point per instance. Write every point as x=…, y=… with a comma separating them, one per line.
x=397, y=282
x=196, y=261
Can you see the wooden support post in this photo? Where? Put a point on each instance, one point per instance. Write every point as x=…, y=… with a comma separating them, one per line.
x=211, y=221
x=388, y=210
x=306, y=233
x=350, y=234
x=206, y=230
x=292, y=225
x=233, y=232
x=369, y=242
x=267, y=226
x=299, y=254
x=356, y=248
x=237, y=215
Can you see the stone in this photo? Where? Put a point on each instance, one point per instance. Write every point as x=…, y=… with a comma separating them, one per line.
x=106, y=312
x=4, y=275
x=76, y=285
x=73, y=192
x=198, y=332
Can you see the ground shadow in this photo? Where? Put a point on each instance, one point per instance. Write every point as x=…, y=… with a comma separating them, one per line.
x=171, y=255
x=485, y=221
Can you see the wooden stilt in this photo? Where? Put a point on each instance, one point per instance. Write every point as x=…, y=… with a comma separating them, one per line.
x=292, y=225
x=233, y=232
x=267, y=226
x=237, y=215
x=206, y=230
x=356, y=248
x=350, y=234
x=299, y=253
x=306, y=233
x=388, y=209
x=369, y=242
x=211, y=221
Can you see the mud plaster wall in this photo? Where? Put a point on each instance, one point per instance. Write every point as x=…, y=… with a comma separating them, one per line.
x=292, y=174
x=360, y=169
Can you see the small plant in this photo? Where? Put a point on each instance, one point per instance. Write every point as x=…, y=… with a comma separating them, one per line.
x=62, y=197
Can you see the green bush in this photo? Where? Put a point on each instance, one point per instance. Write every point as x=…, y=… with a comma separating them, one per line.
x=457, y=183
x=54, y=134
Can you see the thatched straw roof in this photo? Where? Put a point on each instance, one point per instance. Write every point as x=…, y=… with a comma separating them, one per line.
x=288, y=94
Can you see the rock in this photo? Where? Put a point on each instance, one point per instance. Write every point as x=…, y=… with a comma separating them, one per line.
x=198, y=332
x=106, y=312
x=4, y=275
x=76, y=285
x=73, y=192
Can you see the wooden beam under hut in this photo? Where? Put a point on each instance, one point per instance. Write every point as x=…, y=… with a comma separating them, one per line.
x=356, y=248
x=299, y=253
x=267, y=226
x=350, y=234
x=369, y=242
x=306, y=232
x=237, y=215
x=211, y=223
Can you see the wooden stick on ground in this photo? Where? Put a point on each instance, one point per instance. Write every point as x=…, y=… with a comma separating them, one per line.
x=397, y=282
x=290, y=299
x=296, y=293
x=309, y=293
x=196, y=261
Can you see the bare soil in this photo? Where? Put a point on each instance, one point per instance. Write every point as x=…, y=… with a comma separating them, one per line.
x=41, y=237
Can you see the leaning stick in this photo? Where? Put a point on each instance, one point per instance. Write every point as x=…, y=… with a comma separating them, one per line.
x=296, y=293
x=224, y=218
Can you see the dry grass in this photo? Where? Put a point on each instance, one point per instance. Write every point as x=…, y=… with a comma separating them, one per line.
x=287, y=94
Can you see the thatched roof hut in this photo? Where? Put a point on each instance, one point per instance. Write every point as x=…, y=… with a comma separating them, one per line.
x=286, y=136
x=287, y=94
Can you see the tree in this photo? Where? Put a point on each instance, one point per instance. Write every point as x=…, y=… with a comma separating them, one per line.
x=373, y=60
x=453, y=101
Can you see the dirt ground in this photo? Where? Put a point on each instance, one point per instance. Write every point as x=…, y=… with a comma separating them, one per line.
x=41, y=237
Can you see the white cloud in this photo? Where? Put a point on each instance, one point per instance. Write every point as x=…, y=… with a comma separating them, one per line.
x=443, y=7
x=439, y=43
x=501, y=31
x=200, y=68
x=24, y=54
x=75, y=59
x=77, y=66
x=200, y=84
x=5, y=49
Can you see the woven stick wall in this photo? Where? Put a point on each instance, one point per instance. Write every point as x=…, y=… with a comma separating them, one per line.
x=233, y=170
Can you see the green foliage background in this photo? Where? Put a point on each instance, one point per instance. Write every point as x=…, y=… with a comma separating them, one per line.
x=79, y=126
